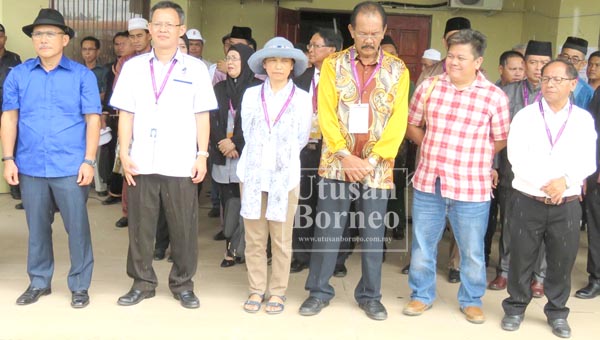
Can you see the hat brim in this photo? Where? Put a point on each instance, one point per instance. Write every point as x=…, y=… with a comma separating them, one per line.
x=256, y=60
x=29, y=28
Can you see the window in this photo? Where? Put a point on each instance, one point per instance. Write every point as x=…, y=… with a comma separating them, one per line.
x=98, y=18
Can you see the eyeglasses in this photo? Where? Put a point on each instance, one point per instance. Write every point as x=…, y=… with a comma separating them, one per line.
x=232, y=59
x=555, y=80
x=572, y=59
x=48, y=34
x=309, y=46
x=166, y=25
x=372, y=36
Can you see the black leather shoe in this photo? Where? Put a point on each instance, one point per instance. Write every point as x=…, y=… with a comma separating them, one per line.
x=188, y=299
x=122, y=222
x=102, y=193
x=227, y=263
x=19, y=206
x=214, y=212
x=340, y=270
x=219, y=236
x=159, y=254
x=560, y=328
x=374, y=309
x=590, y=291
x=312, y=306
x=134, y=296
x=297, y=266
x=454, y=276
x=31, y=295
x=80, y=299
x=511, y=322
x=405, y=269
x=111, y=200
x=398, y=233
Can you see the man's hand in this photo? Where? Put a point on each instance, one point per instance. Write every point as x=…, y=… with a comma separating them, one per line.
x=129, y=169
x=199, y=170
x=85, y=175
x=555, y=189
x=232, y=154
x=226, y=146
x=356, y=168
x=11, y=172
x=494, y=179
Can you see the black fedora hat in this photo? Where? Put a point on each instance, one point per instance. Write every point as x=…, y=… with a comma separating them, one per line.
x=49, y=16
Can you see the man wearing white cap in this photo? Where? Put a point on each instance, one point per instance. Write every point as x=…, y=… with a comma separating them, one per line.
x=430, y=57
x=196, y=44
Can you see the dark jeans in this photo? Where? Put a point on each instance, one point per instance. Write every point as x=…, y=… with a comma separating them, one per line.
x=332, y=216
x=534, y=223
x=40, y=197
x=178, y=197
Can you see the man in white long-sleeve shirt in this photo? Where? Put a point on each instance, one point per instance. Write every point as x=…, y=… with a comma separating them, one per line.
x=552, y=149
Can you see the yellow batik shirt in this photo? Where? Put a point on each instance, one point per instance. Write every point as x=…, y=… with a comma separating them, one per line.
x=387, y=96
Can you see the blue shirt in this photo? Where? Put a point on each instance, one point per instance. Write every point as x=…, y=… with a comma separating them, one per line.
x=582, y=96
x=52, y=130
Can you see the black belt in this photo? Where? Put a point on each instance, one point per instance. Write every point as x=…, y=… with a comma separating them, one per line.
x=548, y=200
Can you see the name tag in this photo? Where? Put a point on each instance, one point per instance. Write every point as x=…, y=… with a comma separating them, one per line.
x=315, y=131
x=358, y=120
x=268, y=155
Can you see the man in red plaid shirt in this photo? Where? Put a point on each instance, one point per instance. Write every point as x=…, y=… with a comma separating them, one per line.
x=467, y=120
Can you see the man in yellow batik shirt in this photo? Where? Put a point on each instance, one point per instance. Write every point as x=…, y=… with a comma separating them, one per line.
x=363, y=104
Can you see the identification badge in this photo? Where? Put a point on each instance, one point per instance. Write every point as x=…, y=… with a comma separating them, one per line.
x=268, y=155
x=358, y=120
x=230, y=124
x=315, y=131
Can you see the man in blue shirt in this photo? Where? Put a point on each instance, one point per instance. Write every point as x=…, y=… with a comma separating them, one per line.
x=54, y=104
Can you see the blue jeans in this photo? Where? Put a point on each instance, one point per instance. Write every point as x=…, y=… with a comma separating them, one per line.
x=469, y=223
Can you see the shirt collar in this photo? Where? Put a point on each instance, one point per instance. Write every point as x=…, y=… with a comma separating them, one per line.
x=64, y=63
x=563, y=111
x=480, y=80
x=285, y=91
x=178, y=55
x=356, y=56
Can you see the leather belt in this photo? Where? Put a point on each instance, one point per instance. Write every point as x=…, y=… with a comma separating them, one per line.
x=548, y=200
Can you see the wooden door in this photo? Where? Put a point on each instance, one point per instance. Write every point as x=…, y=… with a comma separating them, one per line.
x=288, y=24
x=412, y=35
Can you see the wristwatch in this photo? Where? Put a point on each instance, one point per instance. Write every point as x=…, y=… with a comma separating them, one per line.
x=90, y=162
x=202, y=153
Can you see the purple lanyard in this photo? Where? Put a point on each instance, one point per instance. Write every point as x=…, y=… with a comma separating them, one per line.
x=264, y=105
x=164, y=83
x=231, y=110
x=314, y=96
x=355, y=72
x=562, y=128
x=526, y=95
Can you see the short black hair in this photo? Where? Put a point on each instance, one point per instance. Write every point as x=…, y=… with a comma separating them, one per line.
x=124, y=34
x=509, y=54
x=571, y=70
x=169, y=4
x=476, y=39
x=368, y=7
x=595, y=54
x=90, y=38
x=331, y=38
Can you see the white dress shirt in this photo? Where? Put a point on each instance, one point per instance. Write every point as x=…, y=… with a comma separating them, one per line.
x=535, y=162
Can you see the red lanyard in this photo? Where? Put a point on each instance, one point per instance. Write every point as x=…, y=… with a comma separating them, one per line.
x=360, y=87
x=285, y=105
x=164, y=83
x=562, y=128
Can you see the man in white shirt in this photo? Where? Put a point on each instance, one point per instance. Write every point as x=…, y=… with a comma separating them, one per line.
x=552, y=149
x=164, y=97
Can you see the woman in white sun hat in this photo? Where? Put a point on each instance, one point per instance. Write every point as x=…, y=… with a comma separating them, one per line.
x=276, y=122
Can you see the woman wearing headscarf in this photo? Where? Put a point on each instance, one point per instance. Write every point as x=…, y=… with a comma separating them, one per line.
x=276, y=118
x=227, y=139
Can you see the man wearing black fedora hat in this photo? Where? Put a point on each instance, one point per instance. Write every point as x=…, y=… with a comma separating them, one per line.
x=55, y=161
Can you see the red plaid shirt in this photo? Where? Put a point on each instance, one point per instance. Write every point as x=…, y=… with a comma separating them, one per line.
x=458, y=147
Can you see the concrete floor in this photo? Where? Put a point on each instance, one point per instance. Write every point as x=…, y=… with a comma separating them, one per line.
x=223, y=290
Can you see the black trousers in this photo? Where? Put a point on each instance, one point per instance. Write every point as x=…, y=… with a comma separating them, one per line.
x=227, y=191
x=592, y=204
x=534, y=223
x=178, y=197
x=491, y=228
